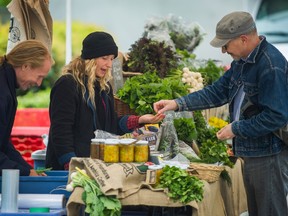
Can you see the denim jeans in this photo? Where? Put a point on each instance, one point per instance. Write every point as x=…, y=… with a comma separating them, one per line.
x=266, y=184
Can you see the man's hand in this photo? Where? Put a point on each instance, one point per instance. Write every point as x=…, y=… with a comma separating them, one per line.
x=164, y=105
x=225, y=133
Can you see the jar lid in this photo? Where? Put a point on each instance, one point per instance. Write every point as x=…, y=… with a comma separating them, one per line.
x=112, y=141
x=127, y=141
x=97, y=140
x=155, y=167
x=142, y=142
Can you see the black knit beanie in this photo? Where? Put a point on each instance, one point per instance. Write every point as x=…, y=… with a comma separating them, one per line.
x=98, y=44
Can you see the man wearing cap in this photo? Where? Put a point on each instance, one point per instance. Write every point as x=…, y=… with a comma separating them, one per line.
x=82, y=101
x=256, y=89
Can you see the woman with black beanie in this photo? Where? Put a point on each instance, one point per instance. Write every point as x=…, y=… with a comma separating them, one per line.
x=82, y=101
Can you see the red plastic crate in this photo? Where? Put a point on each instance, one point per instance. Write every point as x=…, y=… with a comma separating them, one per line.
x=32, y=117
x=26, y=145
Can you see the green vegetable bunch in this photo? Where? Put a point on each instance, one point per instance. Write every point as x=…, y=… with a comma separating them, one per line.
x=140, y=92
x=211, y=72
x=147, y=55
x=186, y=129
x=97, y=204
x=212, y=150
x=181, y=186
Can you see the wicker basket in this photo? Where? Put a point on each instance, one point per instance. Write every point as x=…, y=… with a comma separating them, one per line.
x=207, y=172
x=122, y=108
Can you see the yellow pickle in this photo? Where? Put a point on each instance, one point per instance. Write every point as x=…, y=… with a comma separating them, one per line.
x=141, y=151
x=127, y=150
x=111, y=151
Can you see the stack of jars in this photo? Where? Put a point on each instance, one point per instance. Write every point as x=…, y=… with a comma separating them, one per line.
x=119, y=150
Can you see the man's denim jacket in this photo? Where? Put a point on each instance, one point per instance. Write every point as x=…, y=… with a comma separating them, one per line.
x=264, y=75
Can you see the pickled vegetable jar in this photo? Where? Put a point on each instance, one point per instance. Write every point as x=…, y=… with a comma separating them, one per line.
x=94, y=149
x=127, y=150
x=97, y=148
x=111, y=151
x=157, y=171
x=141, y=151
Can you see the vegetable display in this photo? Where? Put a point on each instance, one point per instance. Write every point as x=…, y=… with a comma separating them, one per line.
x=97, y=203
x=186, y=129
x=140, y=92
x=181, y=186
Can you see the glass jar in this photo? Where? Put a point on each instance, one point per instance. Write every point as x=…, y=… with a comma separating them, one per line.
x=101, y=148
x=94, y=149
x=141, y=151
x=155, y=172
x=111, y=151
x=126, y=150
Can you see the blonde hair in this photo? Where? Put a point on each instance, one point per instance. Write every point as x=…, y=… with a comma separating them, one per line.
x=31, y=52
x=84, y=73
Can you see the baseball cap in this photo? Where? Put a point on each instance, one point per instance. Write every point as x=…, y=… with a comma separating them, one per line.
x=231, y=26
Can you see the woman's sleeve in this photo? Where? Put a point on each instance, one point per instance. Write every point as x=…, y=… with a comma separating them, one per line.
x=63, y=105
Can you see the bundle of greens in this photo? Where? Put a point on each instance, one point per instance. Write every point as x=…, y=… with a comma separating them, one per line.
x=140, y=92
x=97, y=203
x=181, y=186
x=146, y=56
x=186, y=129
x=174, y=30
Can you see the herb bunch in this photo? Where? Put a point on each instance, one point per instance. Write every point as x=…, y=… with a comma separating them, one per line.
x=181, y=186
x=140, y=92
x=186, y=129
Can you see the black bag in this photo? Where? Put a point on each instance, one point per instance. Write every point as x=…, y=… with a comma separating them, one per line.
x=251, y=109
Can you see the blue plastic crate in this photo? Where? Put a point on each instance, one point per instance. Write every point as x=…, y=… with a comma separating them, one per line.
x=54, y=212
x=54, y=183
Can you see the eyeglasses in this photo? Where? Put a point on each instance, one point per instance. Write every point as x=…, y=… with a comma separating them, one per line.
x=225, y=47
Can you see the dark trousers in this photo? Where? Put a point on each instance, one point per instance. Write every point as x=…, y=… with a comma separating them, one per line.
x=266, y=184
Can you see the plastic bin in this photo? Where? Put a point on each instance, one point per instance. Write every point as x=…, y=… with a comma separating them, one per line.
x=54, y=183
x=39, y=158
x=56, y=212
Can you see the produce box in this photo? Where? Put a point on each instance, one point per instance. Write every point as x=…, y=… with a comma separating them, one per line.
x=54, y=183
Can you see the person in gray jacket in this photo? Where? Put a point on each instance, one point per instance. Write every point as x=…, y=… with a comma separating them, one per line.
x=256, y=89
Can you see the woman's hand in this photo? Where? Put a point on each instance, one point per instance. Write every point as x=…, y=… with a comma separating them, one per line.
x=151, y=119
x=164, y=105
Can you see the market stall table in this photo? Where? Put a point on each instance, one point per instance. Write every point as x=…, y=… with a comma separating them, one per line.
x=128, y=184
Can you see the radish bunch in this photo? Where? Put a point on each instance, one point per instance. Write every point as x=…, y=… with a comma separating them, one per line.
x=193, y=79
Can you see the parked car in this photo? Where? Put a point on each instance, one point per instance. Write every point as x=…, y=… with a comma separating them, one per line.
x=271, y=17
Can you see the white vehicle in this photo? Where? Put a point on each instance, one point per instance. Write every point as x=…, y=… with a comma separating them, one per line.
x=271, y=17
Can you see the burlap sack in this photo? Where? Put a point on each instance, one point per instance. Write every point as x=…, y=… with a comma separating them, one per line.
x=119, y=179
x=30, y=19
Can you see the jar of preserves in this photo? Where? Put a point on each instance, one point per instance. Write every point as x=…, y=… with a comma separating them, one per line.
x=155, y=173
x=101, y=148
x=141, y=151
x=111, y=151
x=94, y=149
x=126, y=149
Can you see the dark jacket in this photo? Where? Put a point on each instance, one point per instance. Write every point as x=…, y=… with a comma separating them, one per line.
x=265, y=78
x=10, y=158
x=73, y=121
